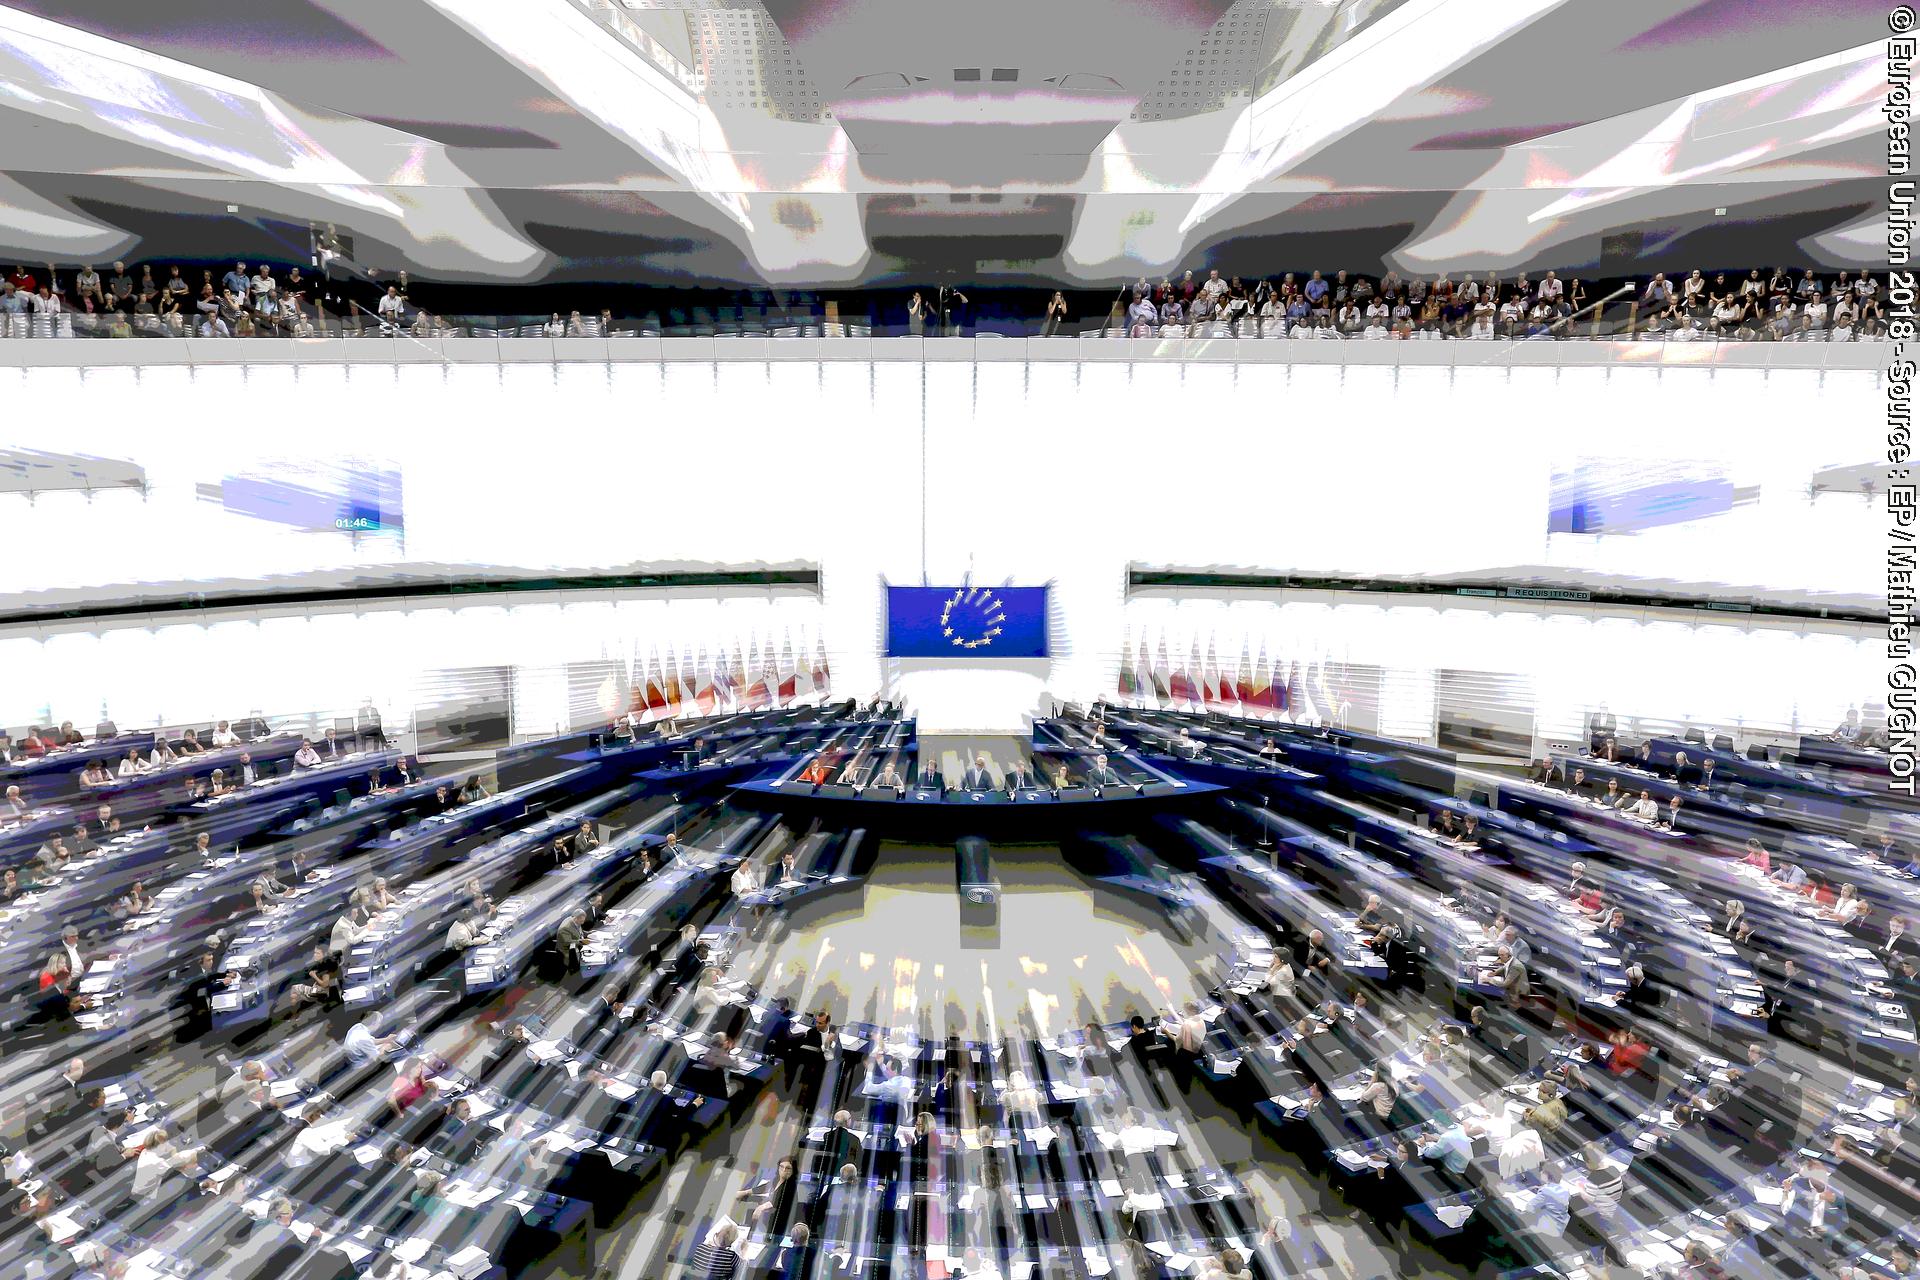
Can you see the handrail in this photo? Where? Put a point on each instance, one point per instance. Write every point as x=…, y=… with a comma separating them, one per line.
x=450, y=345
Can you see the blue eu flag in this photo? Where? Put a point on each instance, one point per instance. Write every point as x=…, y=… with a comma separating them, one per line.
x=967, y=622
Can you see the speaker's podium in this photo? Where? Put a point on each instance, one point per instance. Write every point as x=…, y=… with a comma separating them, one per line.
x=973, y=877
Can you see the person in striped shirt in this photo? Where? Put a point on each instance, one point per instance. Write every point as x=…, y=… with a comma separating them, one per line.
x=1601, y=1184
x=716, y=1260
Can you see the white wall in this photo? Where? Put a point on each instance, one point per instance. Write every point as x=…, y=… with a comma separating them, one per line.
x=1654, y=669
x=324, y=663
x=1057, y=472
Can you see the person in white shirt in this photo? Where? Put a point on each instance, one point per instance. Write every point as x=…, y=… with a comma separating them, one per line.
x=162, y=753
x=1843, y=319
x=460, y=934
x=263, y=287
x=1193, y=1029
x=1280, y=978
x=1375, y=332
x=1482, y=322
x=1644, y=808
x=160, y=1158
x=317, y=1139
x=224, y=736
x=306, y=757
x=390, y=309
x=1273, y=322
x=132, y=766
x=1693, y=291
x=76, y=959
x=1550, y=288
x=347, y=931
x=364, y=1042
x=746, y=878
x=1848, y=907
x=1816, y=314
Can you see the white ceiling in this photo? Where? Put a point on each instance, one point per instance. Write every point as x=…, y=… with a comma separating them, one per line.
x=839, y=142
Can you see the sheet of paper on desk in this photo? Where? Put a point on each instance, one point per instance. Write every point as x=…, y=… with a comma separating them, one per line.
x=469, y=1262
x=302, y=1231
x=1110, y=1186
x=283, y=1088
x=1454, y=1215
x=413, y=1248
x=1179, y=1262
x=368, y=1154
x=1097, y=1264
x=472, y=1197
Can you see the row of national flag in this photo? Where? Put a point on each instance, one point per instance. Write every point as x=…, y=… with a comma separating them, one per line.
x=1257, y=687
x=752, y=678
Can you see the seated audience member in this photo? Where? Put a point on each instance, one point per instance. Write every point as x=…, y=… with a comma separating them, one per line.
x=569, y=938
x=322, y=985
x=1550, y=1113
x=409, y=1087
x=224, y=736
x=1452, y=1146
x=364, y=1043
x=189, y=744
x=305, y=756
x=715, y=1259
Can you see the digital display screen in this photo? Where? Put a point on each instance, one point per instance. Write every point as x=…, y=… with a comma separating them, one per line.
x=967, y=622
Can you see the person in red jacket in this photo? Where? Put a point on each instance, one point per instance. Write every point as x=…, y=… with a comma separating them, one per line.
x=1629, y=1052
